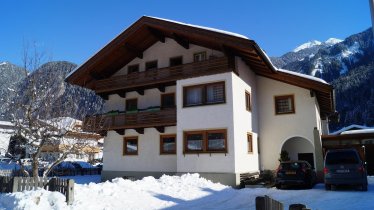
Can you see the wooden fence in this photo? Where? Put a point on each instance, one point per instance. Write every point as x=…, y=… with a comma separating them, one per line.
x=18, y=184
x=267, y=203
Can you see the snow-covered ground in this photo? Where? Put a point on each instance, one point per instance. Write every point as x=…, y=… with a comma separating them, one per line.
x=186, y=192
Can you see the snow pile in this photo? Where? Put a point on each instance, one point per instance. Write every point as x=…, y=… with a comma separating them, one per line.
x=29, y=200
x=188, y=191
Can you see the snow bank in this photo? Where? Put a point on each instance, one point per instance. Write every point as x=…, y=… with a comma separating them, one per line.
x=188, y=191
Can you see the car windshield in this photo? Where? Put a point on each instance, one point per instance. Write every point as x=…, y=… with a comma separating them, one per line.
x=341, y=157
x=291, y=166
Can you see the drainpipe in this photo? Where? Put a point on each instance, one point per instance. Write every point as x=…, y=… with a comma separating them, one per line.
x=318, y=154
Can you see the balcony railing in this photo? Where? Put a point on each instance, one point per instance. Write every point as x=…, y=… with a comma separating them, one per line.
x=132, y=120
x=165, y=75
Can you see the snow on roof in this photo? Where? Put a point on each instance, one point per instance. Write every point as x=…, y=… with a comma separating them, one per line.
x=303, y=75
x=202, y=27
x=350, y=127
x=369, y=130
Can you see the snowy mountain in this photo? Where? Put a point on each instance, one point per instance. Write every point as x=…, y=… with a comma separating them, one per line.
x=307, y=45
x=72, y=101
x=10, y=76
x=348, y=65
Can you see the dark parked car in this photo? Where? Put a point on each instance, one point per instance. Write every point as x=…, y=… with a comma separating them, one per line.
x=295, y=173
x=345, y=167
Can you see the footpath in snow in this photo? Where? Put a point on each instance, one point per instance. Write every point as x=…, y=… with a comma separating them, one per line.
x=186, y=192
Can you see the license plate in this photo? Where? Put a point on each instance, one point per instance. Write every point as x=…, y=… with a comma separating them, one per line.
x=342, y=171
x=290, y=172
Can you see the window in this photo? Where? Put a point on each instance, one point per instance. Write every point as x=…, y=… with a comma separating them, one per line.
x=132, y=104
x=205, y=141
x=151, y=65
x=200, y=56
x=213, y=93
x=133, y=68
x=250, y=142
x=130, y=146
x=176, y=61
x=284, y=104
x=247, y=101
x=168, y=100
x=167, y=144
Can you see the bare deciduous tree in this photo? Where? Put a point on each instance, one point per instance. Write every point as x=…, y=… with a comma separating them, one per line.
x=38, y=111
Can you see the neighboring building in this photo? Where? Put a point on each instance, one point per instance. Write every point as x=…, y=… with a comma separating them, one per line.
x=354, y=136
x=81, y=145
x=182, y=98
x=7, y=130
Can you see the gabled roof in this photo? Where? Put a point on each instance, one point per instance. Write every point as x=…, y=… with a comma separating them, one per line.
x=145, y=32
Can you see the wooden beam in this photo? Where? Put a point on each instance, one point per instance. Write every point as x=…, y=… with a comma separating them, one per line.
x=157, y=34
x=160, y=129
x=139, y=130
x=161, y=88
x=95, y=76
x=103, y=96
x=134, y=50
x=120, y=131
x=122, y=94
x=181, y=41
x=140, y=91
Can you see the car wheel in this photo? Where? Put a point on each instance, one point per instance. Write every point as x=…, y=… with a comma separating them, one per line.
x=328, y=186
x=309, y=184
x=364, y=187
x=278, y=186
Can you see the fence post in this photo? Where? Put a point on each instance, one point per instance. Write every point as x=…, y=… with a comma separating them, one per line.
x=70, y=191
x=52, y=184
x=15, y=184
x=260, y=203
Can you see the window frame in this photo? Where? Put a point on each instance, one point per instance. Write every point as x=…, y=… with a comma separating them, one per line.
x=205, y=148
x=200, y=53
x=250, y=143
x=204, y=94
x=132, y=66
x=131, y=99
x=248, y=101
x=162, y=152
x=162, y=101
x=176, y=57
x=280, y=97
x=125, y=140
x=146, y=68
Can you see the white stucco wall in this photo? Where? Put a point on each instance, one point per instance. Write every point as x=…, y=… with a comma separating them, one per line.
x=162, y=52
x=148, y=158
x=274, y=129
x=207, y=117
x=245, y=121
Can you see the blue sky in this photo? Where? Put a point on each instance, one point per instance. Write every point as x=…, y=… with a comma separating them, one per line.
x=73, y=30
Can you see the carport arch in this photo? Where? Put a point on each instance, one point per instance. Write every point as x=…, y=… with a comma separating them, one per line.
x=299, y=148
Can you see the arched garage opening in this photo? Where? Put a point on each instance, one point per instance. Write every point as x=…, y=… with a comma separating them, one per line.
x=299, y=148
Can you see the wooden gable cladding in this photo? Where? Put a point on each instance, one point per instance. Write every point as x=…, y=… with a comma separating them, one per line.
x=147, y=31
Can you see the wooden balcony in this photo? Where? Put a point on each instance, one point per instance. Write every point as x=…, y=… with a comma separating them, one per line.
x=119, y=122
x=158, y=78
